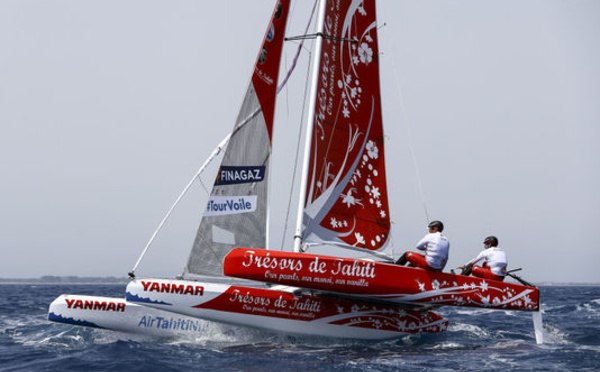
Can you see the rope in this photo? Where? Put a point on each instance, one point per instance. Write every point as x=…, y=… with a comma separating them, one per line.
x=289, y=73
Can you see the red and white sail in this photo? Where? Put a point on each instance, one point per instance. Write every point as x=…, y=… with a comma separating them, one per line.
x=346, y=199
x=236, y=212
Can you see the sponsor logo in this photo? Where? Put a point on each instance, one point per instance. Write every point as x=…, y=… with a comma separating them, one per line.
x=95, y=305
x=173, y=324
x=262, y=57
x=315, y=270
x=229, y=175
x=271, y=33
x=223, y=205
x=278, y=11
x=264, y=76
x=184, y=289
x=250, y=301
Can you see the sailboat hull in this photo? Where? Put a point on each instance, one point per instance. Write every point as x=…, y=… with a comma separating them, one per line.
x=378, y=281
x=286, y=310
x=117, y=314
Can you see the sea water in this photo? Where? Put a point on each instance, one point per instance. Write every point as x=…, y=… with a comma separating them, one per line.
x=477, y=340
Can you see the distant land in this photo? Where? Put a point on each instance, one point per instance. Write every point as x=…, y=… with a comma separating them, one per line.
x=51, y=279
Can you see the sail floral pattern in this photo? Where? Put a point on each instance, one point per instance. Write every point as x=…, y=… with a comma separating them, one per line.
x=347, y=198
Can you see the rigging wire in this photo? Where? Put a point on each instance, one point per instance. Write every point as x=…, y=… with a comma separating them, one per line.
x=409, y=136
x=297, y=156
x=289, y=73
x=323, y=35
x=220, y=147
x=301, y=128
x=215, y=152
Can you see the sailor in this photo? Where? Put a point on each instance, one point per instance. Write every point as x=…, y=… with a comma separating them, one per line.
x=436, y=247
x=495, y=263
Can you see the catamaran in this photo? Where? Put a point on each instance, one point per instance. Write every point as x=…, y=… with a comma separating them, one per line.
x=337, y=278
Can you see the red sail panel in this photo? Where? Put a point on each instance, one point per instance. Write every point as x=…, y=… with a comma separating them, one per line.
x=347, y=193
x=266, y=70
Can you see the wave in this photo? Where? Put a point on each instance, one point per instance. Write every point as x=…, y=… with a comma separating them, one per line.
x=591, y=308
x=554, y=335
x=470, y=329
x=476, y=339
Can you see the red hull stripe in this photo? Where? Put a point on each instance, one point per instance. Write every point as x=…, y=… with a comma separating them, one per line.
x=283, y=305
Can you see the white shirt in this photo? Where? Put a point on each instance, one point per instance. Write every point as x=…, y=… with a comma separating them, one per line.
x=495, y=259
x=436, y=247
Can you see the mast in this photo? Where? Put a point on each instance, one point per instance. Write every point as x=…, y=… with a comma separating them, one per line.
x=310, y=125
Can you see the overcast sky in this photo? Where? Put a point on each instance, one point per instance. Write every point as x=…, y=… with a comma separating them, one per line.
x=107, y=109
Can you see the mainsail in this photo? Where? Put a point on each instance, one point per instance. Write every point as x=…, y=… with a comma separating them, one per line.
x=346, y=199
x=236, y=212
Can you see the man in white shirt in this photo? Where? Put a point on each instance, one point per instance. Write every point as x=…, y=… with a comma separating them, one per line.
x=436, y=247
x=495, y=263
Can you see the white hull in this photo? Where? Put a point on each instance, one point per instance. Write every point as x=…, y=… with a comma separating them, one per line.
x=281, y=310
x=116, y=314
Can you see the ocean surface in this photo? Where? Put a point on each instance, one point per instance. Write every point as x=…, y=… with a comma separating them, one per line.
x=477, y=340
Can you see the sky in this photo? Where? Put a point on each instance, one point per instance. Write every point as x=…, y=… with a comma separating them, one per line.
x=108, y=108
